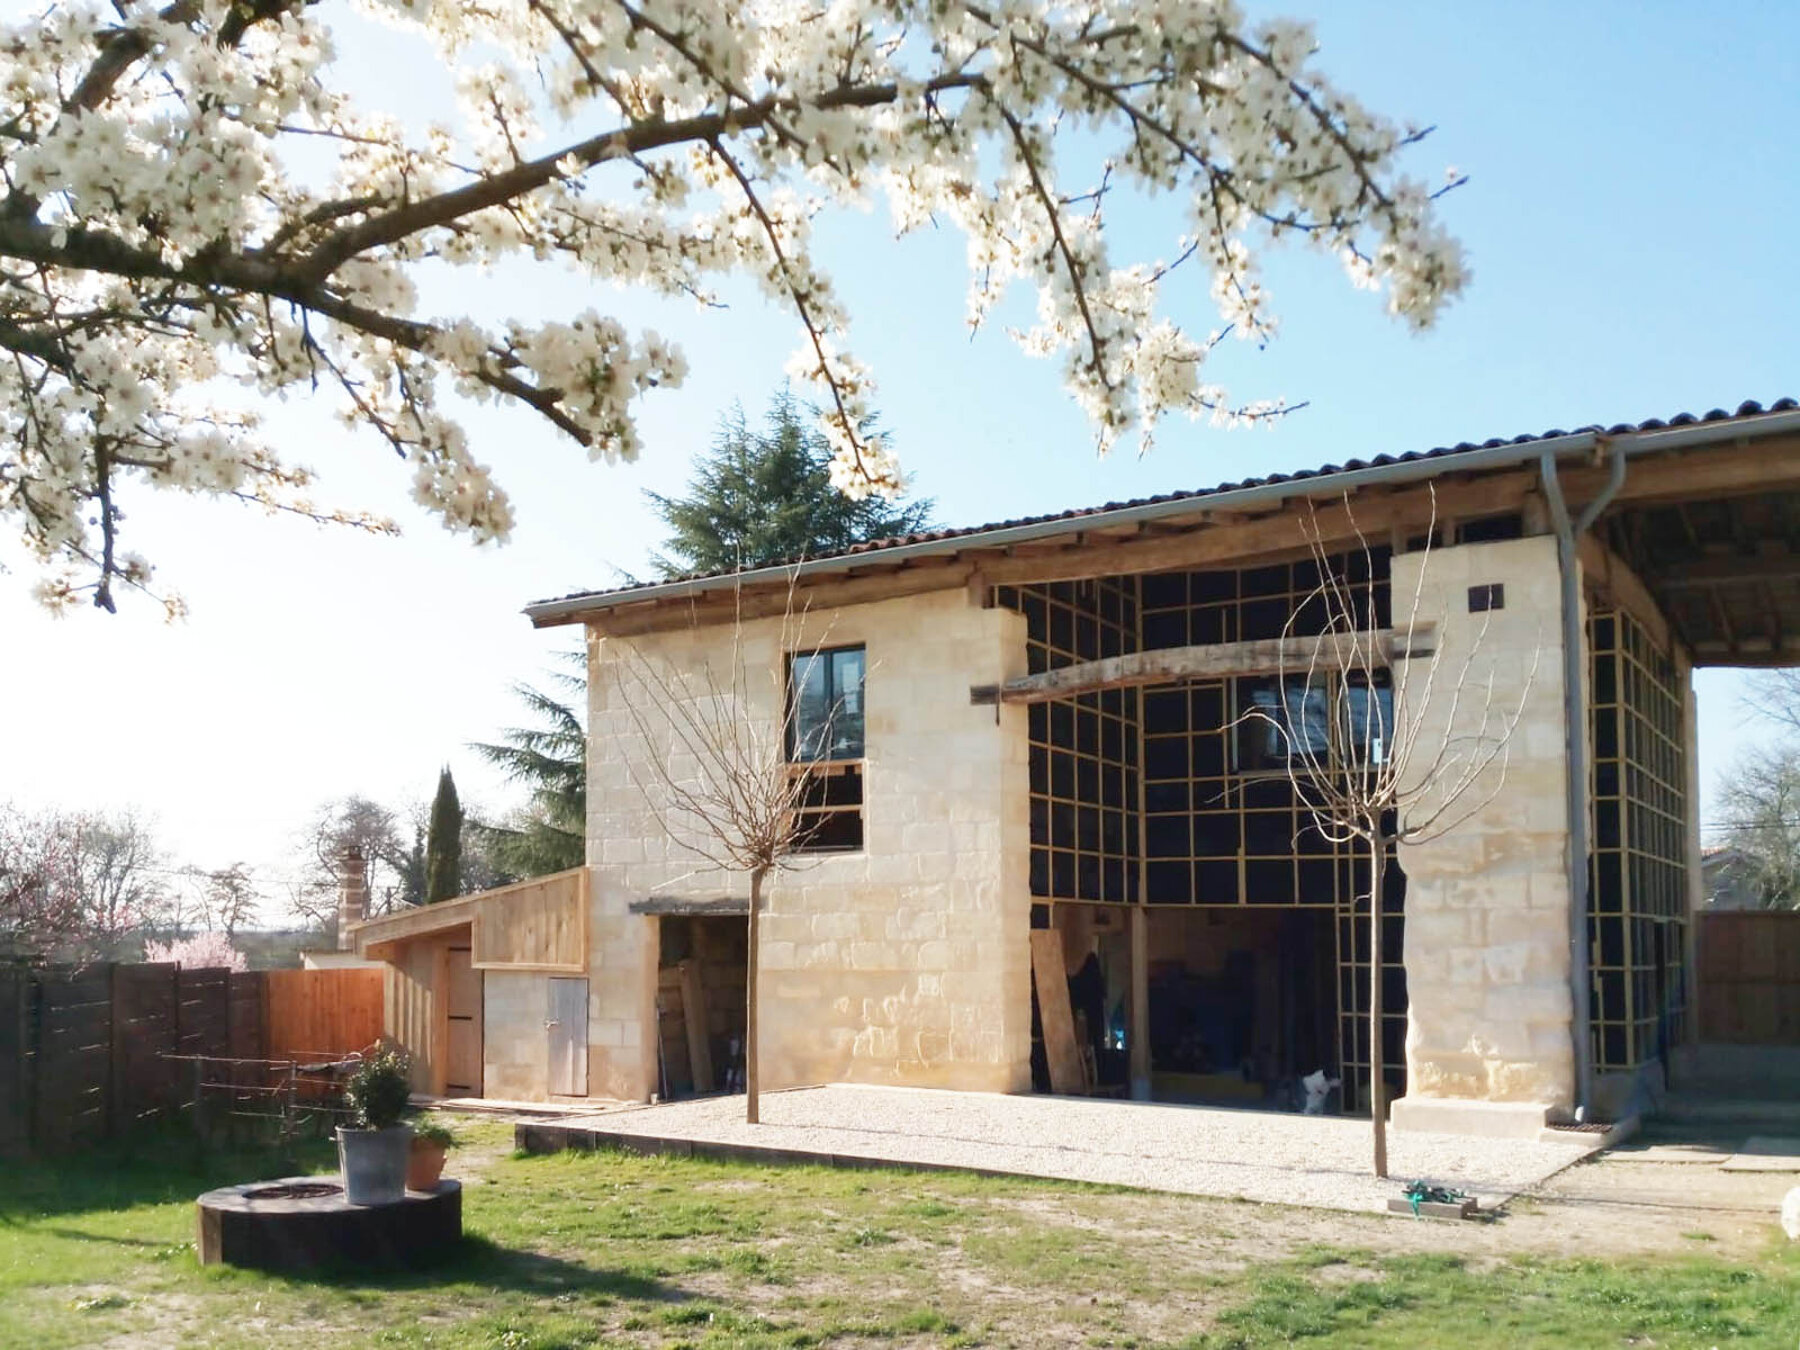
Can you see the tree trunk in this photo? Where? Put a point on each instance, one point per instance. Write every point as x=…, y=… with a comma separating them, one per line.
x=1377, y=1087
x=752, y=969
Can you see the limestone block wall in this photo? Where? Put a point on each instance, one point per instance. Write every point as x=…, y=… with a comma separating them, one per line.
x=904, y=962
x=1487, y=953
x=515, y=1048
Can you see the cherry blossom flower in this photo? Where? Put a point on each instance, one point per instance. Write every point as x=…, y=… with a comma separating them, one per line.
x=168, y=249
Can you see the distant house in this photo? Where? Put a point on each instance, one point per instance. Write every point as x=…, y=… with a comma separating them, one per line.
x=1036, y=726
x=1729, y=879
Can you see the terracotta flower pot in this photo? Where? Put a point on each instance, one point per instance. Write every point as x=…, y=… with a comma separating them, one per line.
x=424, y=1165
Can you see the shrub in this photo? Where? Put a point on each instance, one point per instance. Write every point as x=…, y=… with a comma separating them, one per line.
x=378, y=1091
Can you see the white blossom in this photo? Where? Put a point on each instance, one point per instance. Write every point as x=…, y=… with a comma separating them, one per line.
x=170, y=249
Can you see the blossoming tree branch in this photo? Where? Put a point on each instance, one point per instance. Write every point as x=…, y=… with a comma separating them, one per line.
x=169, y=256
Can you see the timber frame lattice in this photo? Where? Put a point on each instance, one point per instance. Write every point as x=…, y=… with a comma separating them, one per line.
x=1637, y=893
x=1139, y=795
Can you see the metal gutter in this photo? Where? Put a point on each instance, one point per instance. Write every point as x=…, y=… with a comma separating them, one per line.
x=1575, y=742
x=546, y=613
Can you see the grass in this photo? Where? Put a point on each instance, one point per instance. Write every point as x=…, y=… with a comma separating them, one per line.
x=666, y=1254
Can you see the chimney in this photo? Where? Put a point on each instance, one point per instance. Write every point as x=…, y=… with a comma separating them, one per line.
x=353, y=893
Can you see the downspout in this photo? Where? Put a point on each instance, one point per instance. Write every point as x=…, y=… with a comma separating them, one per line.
x=1576, y=740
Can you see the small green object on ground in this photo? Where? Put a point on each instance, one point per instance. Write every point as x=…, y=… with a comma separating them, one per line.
x=1438, y=1201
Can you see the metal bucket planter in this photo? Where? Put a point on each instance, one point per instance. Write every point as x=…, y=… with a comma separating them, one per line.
x=373, y=1163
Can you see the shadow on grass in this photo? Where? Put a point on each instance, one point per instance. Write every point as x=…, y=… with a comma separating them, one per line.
x=158, y=1168
x=479, y=1262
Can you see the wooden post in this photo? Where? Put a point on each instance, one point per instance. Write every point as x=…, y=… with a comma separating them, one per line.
x=1137, y=1023
x=693, y=1013
x=1054, y=1013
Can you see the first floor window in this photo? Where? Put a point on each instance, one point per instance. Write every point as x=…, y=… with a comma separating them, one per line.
x=825, y=748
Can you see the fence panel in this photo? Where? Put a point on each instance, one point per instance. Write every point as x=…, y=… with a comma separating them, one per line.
x=15, y=1061
x=313, y=1013
x=73, y=1069
x=1750, y=977
x=245, y=1014
x=145, y=1009
x=205, y=1016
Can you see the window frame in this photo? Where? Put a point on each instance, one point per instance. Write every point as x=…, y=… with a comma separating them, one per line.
x=838, y=770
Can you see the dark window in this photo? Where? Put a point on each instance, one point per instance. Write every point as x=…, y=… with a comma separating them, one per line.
x=1370, y=734
x=1281, y=720
x=1491, y=595
x=825, y=748
x=827, y=692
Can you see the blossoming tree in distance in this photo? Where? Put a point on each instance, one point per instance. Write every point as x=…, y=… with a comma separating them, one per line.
x=193, y=201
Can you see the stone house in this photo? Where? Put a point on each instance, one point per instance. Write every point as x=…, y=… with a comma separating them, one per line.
x=1037, y=727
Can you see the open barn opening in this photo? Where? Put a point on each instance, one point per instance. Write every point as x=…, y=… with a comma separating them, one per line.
x=1169, y=805
x=702, y=960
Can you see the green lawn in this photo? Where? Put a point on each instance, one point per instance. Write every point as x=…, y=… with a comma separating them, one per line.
x=607, y=1250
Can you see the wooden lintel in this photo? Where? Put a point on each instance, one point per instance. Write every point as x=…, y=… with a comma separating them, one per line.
x=1216, y=660
x=670, y=906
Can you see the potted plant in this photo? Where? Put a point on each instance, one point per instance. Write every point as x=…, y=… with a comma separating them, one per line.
x=425, y=1164
x=373, y=1148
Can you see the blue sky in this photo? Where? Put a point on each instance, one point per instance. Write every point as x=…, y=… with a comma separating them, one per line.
x=1630, y=218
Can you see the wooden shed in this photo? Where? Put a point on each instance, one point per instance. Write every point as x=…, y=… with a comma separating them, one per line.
x=470, y=987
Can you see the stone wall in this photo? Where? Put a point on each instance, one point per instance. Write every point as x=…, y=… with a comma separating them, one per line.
x=904, y=962
x=1487, y=948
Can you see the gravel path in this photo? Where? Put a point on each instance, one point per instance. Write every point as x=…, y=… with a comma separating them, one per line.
x=1320, y=1161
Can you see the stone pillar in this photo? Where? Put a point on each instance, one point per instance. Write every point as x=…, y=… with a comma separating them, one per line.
x=1488, y=1045
x=353, y=893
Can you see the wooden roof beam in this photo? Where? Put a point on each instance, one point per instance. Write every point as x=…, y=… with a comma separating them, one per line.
x=724, y=607
x=1262, y=536
x=1727, y=570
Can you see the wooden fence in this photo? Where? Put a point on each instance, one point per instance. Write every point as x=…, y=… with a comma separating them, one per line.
x=86, y=1053
x=1750, y=977
x=310, y=1013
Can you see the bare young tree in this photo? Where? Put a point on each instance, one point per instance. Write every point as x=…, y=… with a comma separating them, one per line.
x=712, y=761
x=1759, y=799
x=1379, y=760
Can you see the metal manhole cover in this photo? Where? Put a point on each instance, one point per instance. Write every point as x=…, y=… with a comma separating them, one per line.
x=295, y=1190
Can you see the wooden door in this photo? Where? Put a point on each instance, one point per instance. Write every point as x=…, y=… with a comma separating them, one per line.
x=462, y=1016
x=568, y=1028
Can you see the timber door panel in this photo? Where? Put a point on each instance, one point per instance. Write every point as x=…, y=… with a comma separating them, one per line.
x=462, y=1008
x=568, y=1030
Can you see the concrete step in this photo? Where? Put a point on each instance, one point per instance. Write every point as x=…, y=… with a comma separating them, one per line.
x=1760, y=1114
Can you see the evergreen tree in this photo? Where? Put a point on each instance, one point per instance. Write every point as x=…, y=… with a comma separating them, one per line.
x=550, y=834
x=765, y=496
x=443, y=843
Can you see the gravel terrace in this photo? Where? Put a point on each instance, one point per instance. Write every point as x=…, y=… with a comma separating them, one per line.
x=1320, y=1161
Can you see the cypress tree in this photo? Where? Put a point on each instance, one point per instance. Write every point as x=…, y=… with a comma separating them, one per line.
x=443, y=843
